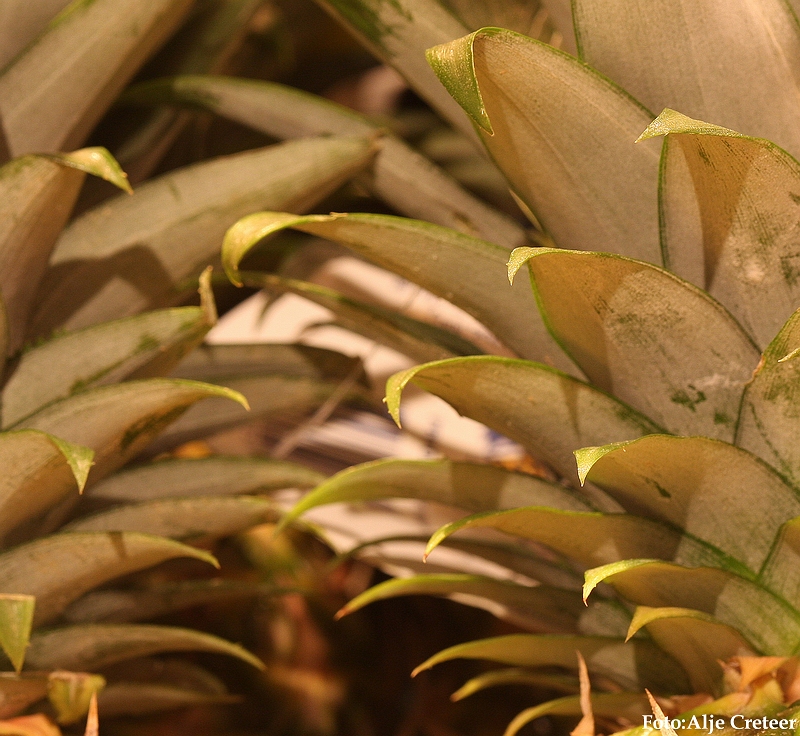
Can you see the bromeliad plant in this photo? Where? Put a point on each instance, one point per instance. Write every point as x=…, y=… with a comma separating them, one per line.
x=658, y=346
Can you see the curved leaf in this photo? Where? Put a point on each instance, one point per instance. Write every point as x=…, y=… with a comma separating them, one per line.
x=631, y=664
x=759, y=615
x=210, y=476
x=40, y=470
x=464, y=270
x=629, y=706
x=182, y=518
x=592, y=539
x=420, y=341
x=36, y=197
x=657, y=342
x=546, y=411
x=781, y=571
x=540, y=608
x=172, y=227
x=268, y=397
x=148, y=344
x=84, y=562
x=214, y=362
x=469, y=486
x=118, y=421
x=53, y=94
x=123, y=606
x=403, y=178
x=695, y=639
x=563, y=136
x=769, y=418
x=143, y=698
x=665, y=56
x=714, y=491
x=719, y=190
x=94, y=646
x=515, y=676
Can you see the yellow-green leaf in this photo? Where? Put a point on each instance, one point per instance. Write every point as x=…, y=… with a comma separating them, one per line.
x=71, y=692
x=94, y=646
x=667, y=55
x=651, y=339
x=464, y=270
x=401, y=177
x=85, y=561
x=712, y=490
x=516, y=676
x=695, y=639
x=16, y=620
x=563, y=136
x=171, y=228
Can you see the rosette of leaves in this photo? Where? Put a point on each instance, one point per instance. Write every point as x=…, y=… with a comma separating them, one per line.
x=91, y=337
x=656, y=343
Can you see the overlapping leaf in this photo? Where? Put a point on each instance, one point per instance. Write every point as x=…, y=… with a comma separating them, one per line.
x=655, y=341
x=563, y=138
x=132, y=253
x=464, y=270
x=400, y=176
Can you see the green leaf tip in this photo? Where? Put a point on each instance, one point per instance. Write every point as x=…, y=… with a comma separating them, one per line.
x=71, y=693
x=671, y=121
x=454, y=64
x=79, y=458
x=596, y=575
x=207, y=302
x=97, y=161
x=519, y=257
x=245, y=234
x=587, y=457
x=16, y=621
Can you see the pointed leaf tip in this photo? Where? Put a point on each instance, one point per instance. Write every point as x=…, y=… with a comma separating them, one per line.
x=587, y=457
x=672, y=121
x=454, y=64
x=519, y=257
x=16, y=621
x=97, y=161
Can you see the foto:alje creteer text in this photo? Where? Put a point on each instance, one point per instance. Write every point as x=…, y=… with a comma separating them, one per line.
x=711, y=723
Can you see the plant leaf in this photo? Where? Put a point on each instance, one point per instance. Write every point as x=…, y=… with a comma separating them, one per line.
x=419, y=340
x=401, y=177
x=563, y=136
x=36, y=197
x=123, y=606
x=657, y=342
x=71, y=693
x=629, y=706
x=548, y=412
x=631, y=664
x=695, y=639
x=769, y=420
x=144, y=698
x=666, y=57
x=714, y=491
x=398, y=32
x=40, y=471
x=172, y=227
x=53, y=94
x=464, y=270
x=85, y=561
x=468, y=486
x=539, y=608
x=211, y=476
x=515, y=676
x=35, y=725
x=16, y=620
x=590, y=538
x=780, y=572
x=739, y=184
x=21, y=22
x=759, y=615
x=94, y=646
x=118, y=421
x=180, y=518
x=148, y=344
x=271, y=396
